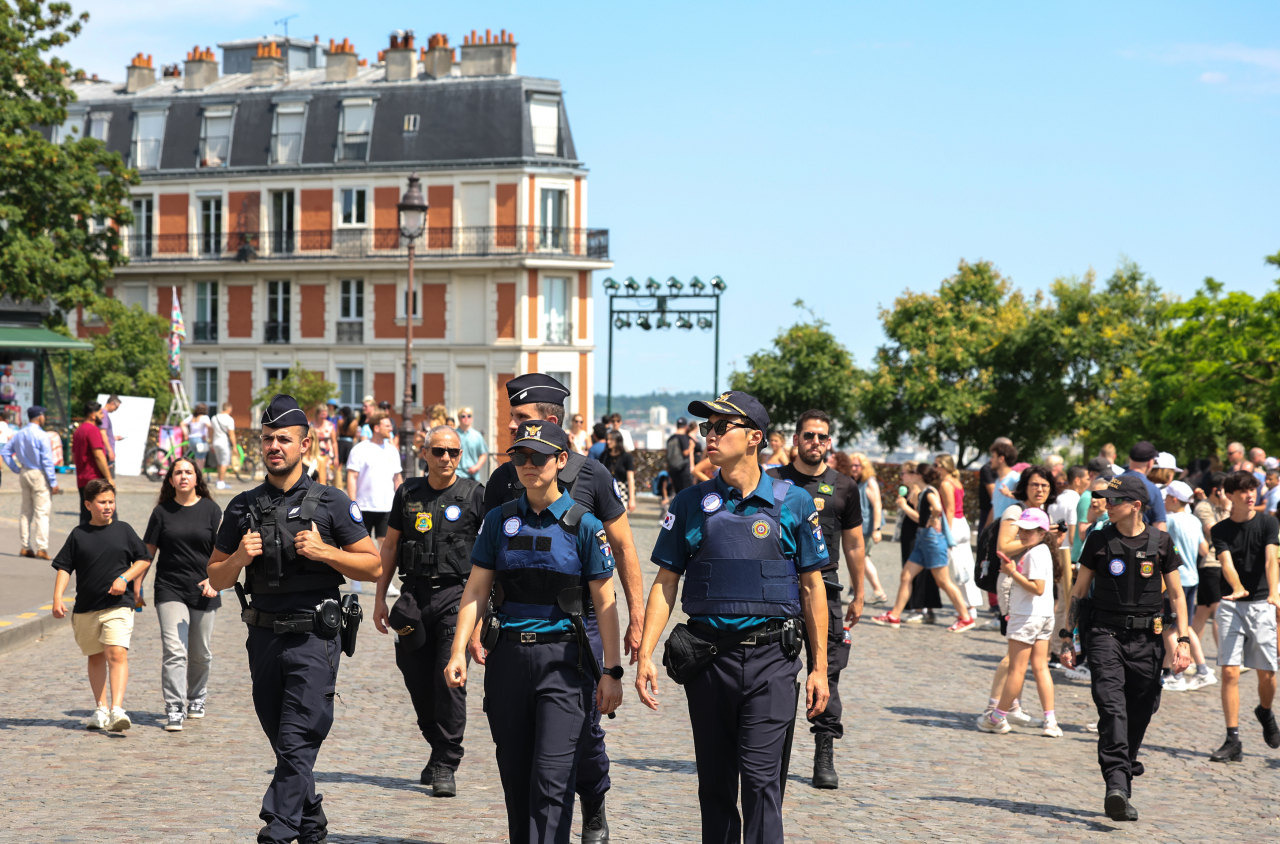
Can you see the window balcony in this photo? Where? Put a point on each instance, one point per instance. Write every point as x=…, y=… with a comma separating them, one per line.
x=205, y=332
x=350, y=332
x=275, y=332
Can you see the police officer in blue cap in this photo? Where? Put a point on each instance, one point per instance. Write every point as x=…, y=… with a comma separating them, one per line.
x=751, y=551
x=295, y=540
x=536, y=556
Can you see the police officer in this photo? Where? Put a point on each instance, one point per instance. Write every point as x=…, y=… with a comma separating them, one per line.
x=431, y=529
x=535, y=397
x=295, y=540
x=1126, y=562
x=839, y=506
x=543, y=551
x=751, y=550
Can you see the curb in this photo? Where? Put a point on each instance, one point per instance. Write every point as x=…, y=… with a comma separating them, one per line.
x=22, y=628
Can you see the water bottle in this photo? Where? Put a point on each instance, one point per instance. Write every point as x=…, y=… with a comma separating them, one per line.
x=847, y=637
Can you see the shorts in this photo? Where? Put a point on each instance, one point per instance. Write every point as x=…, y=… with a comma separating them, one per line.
x=1247, y=634
x=97, y=628
x=1210, y=590
x=1167, y=613
x=376, y=523
x=1030, y=629
x=930, y=550
x=222, y=453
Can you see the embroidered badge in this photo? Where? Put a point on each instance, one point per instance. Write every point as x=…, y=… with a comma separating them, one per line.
x=819, y=503
x=1116, y=567
x=294, y=511
x=668, y=521
x=826, y=489
x=405, y=631
x=422, y=522
x=603, y=539
x=511, y=526
x=1147, y=569
x=813, y=519
x=453, y=512
x=760, y=529
x=817, y=534
x=533, y=431
x=710, y=503
x=356, y=515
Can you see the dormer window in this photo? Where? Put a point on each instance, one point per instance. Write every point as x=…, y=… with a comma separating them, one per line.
x=148, y=135
x=544, y=117
x=215, y=136
x=99, y=125
x=357, y=122
x=286, y=141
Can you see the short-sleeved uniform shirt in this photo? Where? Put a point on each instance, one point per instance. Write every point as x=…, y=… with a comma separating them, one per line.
x=86, y=438
x=592, y=489
x=835, y=497
x=1095, y=556
x=336, y=517
x=594, y=554
x=184, y=537
x=97, y=556
x=1247, y=542
x=682, y=533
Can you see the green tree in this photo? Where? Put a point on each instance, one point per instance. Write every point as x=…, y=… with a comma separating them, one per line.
x=61, y=204
x=807, y=368
x=131, y=358
x=308, y=388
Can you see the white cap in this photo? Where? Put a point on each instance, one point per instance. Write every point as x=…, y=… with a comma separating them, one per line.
x=1180, y=491
x=1165, y=460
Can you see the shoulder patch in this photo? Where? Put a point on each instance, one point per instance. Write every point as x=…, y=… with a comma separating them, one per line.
x=356, y=515
x=668, y=521
x=603, y=540
x=813, y=518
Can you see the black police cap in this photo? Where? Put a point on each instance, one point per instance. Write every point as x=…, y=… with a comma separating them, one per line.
x=733, y=403
x=536, y=387
x=406, y=619
x=540, y=436
x=283, y=412
x=1125, y=486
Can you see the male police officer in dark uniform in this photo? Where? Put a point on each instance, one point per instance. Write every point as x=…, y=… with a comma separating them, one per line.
x=751, y=550
x=835, y=496
x=295, y=540
x=1126, y=562
x=540, y=397
x=430, y=533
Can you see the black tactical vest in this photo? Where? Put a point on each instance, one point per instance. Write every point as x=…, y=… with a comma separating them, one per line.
x=280, y=569
x=433, y=545
x=1129, y=581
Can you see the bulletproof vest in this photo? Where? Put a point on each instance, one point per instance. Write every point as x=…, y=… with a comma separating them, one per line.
x=568, y=476
x=437, y=537
x=280, y=569
x=539, y=570
x=740, y=568
x=1130, y=580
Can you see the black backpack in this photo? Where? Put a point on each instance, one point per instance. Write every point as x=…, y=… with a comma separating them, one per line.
x=986, y=563
x=675, y=457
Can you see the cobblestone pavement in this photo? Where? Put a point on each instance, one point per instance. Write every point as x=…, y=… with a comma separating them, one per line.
x=912, y=765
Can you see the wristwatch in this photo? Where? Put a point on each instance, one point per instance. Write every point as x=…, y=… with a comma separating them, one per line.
x=615, y=672
x=1184, y=640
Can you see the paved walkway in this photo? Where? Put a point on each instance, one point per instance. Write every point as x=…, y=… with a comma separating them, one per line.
x=912, y=765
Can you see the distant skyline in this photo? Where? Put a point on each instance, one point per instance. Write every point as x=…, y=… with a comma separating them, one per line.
x=843, y=152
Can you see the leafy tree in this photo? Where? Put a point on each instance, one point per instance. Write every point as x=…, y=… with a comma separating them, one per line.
x=308, y=388
x=61, y=204
x=131, y=358
x=807, y=368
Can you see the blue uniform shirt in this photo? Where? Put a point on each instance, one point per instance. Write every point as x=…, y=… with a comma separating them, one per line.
x=594, y=553
x=681, y=534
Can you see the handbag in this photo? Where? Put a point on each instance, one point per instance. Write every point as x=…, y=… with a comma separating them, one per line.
x=685, y=654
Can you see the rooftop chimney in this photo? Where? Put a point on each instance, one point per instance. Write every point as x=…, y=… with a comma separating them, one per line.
x=202, y=69
x=400, y=57
x=268, y=64
x=438, y=58
x=341, y=63
x=141, y=74
x=489, y=56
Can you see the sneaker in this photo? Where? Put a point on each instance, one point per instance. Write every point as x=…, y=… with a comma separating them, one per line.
x=1199, y=681
x=119, y=720
x=442, y=782
x=991, y=624
x=913, y=617
x=1080, y=672
x=1091, y=726
x=392, y=591
x=223, y=485
x=1018, y=716
x=962, y=626
x=992, y=723
x=1270, y=731
x=99, y=719
x=174, y=718
x=1051, y=730
x=1174, y=683
x=929, y=617
x=1231, y=751
x=887, y=620
x=1054, y=662
x=195, y=708
x=986, y=713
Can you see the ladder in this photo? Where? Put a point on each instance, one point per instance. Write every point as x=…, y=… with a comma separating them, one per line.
x=179, y=407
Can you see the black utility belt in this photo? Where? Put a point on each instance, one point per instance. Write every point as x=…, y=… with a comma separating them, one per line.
x=766, y=635
x=1123, y=621
x=527, y=638
x=415, y=580
x=280, y=622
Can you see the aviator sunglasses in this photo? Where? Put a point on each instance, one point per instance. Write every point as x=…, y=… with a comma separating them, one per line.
x=810, y=436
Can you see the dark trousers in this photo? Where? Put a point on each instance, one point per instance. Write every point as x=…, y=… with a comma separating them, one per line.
x=1125, y=671
x=681, y=479
x=294, y=676
x=827, y=722
x=537, y=706
x=593, y=763
x=740, y=708
x=442, y=711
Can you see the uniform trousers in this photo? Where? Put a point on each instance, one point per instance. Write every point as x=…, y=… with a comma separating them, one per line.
x=827, y=722
x=740, y=708
x=1125, y=676
x=33, y=517
x=593, y=763
x=536, y=702
x=294, y=678
x=442, y=711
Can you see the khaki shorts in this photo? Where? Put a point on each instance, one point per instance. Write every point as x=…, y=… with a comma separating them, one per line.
x=98, y=628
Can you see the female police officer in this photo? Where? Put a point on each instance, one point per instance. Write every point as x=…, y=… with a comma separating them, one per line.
x=295, y=540
x=540, y=550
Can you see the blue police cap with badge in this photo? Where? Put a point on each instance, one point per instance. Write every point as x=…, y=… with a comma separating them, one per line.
x=540, y=436
x=733, y=403
x=283, y=412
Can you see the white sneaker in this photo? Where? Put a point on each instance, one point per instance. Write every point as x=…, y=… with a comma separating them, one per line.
x=1174, y=683
x=990, y=624
x=986, y=713
x=1080, y=672
x=119, y=720
x=992, y=723
x=392, y=591
x=1022, y=719
x=1052, y=730
x=913, y=617
x=1199, y=681
x=223, y=485
x=174, y=718
x=99, y=719
x=1091, y=726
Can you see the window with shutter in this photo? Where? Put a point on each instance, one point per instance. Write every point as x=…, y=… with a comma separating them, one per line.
x=148, y=134
x=215, y=137
x=357, y=122
x=544, y=117
x=286, y=146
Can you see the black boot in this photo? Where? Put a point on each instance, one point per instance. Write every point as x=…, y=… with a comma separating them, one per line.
x=1270, y=731
x=824, y=767
x=595, y=827
x=1118, y=807
x=1231, y=751
x=442, y=784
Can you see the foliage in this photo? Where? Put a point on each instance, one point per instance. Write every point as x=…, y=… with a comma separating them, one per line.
x=130, y=359
x=308, y=388
x=61, y=204
x=806, y=369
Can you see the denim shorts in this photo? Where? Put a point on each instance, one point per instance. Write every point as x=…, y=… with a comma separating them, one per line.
x=930, y=549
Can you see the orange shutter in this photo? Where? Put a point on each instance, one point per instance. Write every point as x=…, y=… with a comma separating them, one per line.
x=531, y=304
x=506, y=311
x=440, y=217
x=384, y=311
x=532, y=364
x=584, y=387
x=173, y=223
x=432, y=388
x=384, y=389
x=240, y=394
x=312, y=309
x=584, y=289
x=506, y=219
x=164, y=302
x=386, y=219
x=243, y=209
x=240, y=313
x=317, y=219
x=431, y=305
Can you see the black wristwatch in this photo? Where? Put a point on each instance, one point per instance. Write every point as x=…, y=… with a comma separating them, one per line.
x=615, y=672
x=1184, y=640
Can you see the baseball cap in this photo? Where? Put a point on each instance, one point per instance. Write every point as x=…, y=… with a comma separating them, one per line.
x=733, y=403
x=1100, y=465
x=1033, y=518
x=1143, y=451
x=540, y=436
x=1165, y=460
x=1180, y=491
x=367, y=400
x=34, y=412
x=406, y=619
x=1125, y=486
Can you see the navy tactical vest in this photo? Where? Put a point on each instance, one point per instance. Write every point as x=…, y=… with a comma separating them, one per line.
x=538, y=569
x=1130, y=580
x=740, y=568
x=280, y=570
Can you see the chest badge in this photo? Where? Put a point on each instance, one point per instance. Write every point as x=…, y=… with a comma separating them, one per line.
x=294, y=511
x=760, y=529
x=826, y=489
x=819, y=503
x=1147, y=568
x=453, y=512
x=422, y=522
x=1116, y=567
x=511, y=526
x=711, y=503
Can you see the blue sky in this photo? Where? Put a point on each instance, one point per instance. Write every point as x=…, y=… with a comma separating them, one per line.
x=845, y=152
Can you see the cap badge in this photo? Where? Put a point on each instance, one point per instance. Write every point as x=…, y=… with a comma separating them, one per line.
x=1114, y=483
x=723, y=397
x=534, y=431
x=405, y=631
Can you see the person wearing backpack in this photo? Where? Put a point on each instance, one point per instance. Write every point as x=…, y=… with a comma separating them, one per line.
x=680, y=456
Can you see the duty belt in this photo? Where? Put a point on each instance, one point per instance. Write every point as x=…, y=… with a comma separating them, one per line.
x=527, y=638
x=279, y=622
x=768, y=634
x=1123, y=621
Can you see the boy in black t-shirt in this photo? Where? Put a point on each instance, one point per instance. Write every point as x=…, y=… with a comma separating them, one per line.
x=108, y=559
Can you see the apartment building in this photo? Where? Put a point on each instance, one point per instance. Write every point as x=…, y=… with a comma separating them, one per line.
x=268, y=202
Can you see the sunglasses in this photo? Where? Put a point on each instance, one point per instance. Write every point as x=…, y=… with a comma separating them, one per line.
x=520, y=458
x=438, y=451
x=464, y=415
x=810, y=436
x=721, y=427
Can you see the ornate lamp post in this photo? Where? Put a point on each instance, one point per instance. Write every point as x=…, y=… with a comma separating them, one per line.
x=413, y=219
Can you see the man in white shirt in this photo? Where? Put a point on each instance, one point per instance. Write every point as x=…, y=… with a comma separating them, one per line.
x=373, y=476
x=223, y=428
x=1066, y=507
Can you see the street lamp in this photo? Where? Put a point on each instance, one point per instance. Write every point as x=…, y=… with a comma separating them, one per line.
x=413, y=219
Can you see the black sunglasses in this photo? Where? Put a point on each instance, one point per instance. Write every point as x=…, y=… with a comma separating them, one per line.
x=520, y=458
x=808, y=436
x=437, y=451
x=721, y=427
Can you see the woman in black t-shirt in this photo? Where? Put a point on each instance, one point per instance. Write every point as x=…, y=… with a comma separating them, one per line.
x=622, y=466
x=183, y=527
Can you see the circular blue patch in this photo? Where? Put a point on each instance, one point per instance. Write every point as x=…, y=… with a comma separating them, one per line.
x=511, y=526
x=617, y=490
x=356, y=515
x=1116, y=567
x=710, y=503
x=453, y=512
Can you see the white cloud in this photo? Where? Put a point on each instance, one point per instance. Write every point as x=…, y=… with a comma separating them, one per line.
x=1213, y=77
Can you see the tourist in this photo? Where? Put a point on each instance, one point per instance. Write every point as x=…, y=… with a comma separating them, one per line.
x=960, y=555
x=1188, y=540
x=860, y=468
x=195, y=429
x=325, y=433
x=475, y=456
x=622, y=466
x=222, y=428
x=1002, y=457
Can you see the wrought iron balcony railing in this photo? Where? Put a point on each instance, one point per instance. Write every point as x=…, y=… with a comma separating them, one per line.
x=350, y=332
x=275, y=332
